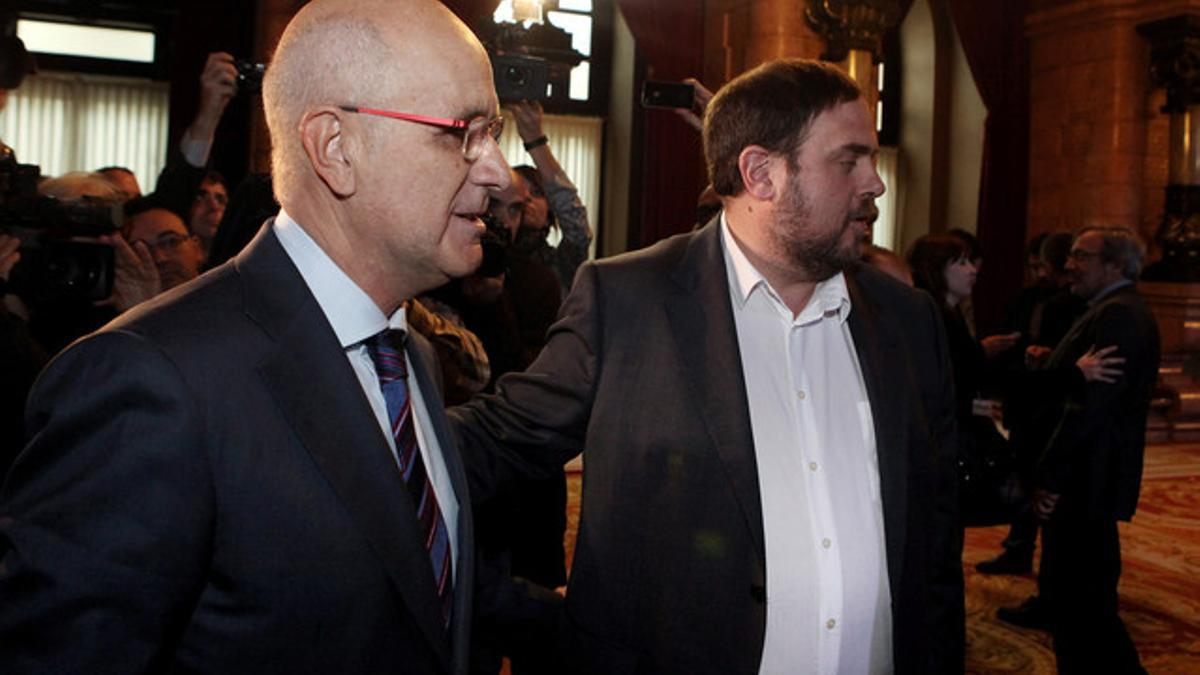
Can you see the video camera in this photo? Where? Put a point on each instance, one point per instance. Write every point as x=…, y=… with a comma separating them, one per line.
x=520, y=78
x=53, y=265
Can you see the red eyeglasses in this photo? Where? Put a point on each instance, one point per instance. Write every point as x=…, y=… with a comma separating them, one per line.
x=475, y=131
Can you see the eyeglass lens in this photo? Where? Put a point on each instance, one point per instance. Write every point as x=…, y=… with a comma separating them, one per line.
x=475, y=140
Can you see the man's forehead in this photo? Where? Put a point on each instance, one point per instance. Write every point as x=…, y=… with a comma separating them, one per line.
x=155, y=222
x=444, y=72
x=1087, y=242
x=846, y=127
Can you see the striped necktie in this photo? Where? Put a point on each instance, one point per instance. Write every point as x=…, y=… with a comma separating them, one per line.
x=387, y=352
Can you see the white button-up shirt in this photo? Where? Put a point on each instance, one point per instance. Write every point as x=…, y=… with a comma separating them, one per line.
x=355, y=317
x=828, y=597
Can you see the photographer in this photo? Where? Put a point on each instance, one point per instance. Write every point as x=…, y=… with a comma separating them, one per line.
x=553, y=201
x=182, y=184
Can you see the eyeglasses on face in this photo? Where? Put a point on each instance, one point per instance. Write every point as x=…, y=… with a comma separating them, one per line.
x=167, y=242
x=475, y=131
x=1080, y=255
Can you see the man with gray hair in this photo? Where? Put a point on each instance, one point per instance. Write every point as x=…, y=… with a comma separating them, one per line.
x=252, y=472
x=1090, y=470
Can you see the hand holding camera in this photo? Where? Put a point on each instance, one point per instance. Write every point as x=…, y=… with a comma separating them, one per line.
x=528, y=116
x=218, y=85
x=136, y=276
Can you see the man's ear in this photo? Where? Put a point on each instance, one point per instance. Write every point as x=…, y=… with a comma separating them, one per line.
x=323, y=137
x=754, y=164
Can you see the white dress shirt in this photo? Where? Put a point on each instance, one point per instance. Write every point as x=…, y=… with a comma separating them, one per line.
x=828, y=598
x=355, y=317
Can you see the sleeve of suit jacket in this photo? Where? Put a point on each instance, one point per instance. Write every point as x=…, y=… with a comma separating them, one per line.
x=948, y=616
x=538, y=419
x=105, y=519
x=1090, y=408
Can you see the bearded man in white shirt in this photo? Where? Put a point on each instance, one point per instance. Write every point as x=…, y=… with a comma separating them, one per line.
x=768, y=425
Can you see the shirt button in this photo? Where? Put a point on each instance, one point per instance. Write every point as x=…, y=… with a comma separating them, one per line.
x=826, y=543
x=801, y=394
x=812, y=466
x=830, y=624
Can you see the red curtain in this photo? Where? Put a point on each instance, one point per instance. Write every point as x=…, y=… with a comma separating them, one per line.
x=993, y=39
x=669, y=171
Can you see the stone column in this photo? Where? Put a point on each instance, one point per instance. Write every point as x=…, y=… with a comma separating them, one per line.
x=777, y=29
x=853, y=32
x=1175, y=65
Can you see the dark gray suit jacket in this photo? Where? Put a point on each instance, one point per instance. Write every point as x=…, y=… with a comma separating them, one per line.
x=1094, y=454
x=207, y=490
x=643, y=370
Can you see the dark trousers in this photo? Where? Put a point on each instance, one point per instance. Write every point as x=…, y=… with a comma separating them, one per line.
x=1022, y=534
x=1081, y=563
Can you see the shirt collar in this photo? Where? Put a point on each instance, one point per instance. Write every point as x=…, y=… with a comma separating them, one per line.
x=351, y=312
x=830, y=297
x=1109, y=290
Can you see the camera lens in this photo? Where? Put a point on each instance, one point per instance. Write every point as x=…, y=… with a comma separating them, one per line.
x=515, y=75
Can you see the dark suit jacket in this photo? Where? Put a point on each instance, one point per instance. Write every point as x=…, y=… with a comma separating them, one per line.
x=207, y=490
x=643, y=370
x=1099, y=437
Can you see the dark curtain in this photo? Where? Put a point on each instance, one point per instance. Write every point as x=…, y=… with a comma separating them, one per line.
x=669, y=166
x=993, y=39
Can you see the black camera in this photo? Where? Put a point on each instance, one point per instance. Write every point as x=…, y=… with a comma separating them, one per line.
x=495, y=247
x=668, y=95
x=249, y=76
x=53, y=266
x=520, y=78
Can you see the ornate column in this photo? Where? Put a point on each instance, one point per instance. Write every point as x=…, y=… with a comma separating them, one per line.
x=776, y=30
x=853, y=32
x=1175, y=65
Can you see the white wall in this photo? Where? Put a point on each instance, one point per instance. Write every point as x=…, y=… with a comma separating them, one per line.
x=964, y=135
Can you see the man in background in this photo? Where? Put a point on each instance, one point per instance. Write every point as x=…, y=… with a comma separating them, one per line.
x=208, y=209
x=1090, y=471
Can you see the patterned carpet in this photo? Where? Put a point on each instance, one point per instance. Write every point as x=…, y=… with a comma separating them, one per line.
x=1160, y=585
x=1160, y=582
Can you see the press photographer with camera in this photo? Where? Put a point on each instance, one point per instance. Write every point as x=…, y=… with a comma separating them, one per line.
x=186, y=182
x=553, y=201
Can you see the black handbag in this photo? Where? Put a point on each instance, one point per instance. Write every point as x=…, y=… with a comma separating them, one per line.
x=991, y=486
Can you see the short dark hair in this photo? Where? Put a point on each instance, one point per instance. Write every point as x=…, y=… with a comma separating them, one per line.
x=536, y=187
x=1056, y=249
x=974, y=248
x=109, y=169
x=928, y=258
x=214, y=176
x=771, y=106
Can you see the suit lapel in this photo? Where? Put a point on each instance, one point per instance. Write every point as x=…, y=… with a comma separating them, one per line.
x=702, y=326
x=888, y=389
x=323, y=401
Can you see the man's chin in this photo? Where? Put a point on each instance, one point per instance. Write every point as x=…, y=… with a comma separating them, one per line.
x=465, y=264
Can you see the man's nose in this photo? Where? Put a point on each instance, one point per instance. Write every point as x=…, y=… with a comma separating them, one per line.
x=875, y=186
x=159, y=253
x=491, y=170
